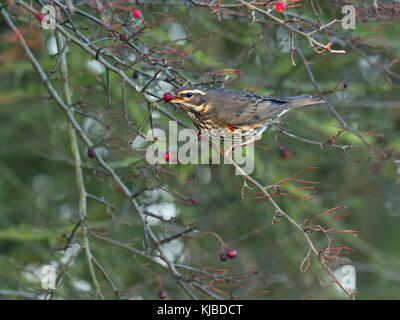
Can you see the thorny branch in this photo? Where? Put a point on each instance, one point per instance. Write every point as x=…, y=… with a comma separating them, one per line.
x=320, y=48
x=112, y=63
x=75, y=125
x=78, y=169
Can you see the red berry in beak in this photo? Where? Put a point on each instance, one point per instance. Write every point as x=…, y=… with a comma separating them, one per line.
x=162, y=294
x=168, y=97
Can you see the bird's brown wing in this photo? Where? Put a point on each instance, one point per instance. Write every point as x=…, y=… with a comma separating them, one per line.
x=243, y=108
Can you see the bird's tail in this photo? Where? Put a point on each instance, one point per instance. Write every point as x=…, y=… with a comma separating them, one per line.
x=302, y=100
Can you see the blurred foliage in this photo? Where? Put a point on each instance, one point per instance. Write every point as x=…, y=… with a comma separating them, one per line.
x=39, y=198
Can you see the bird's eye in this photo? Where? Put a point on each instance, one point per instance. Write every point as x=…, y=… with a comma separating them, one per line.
x=189, y=94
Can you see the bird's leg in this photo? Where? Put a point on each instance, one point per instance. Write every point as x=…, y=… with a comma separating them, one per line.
x=232, y=147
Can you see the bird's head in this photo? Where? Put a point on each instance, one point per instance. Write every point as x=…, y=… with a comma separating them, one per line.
x=190, y=98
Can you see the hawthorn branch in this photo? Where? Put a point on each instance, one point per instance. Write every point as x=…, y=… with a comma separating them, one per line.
x=78, y=167
x=316, y=45
x=389, y=155
x=77, y=129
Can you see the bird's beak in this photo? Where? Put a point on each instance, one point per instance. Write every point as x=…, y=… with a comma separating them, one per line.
x=176, y=99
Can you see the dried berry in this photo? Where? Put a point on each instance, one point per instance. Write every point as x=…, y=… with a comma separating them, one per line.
x=330, y=140
x=223, y=256
x=91, y=153
x=286, y=154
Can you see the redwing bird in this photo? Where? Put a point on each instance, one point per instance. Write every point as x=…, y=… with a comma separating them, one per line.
x=236, y=114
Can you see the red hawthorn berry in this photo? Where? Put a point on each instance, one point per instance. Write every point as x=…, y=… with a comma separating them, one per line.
x=286, y=154
x=223, y=256
x=231, y=253
x=167, y=97
x=162, y=294
x=193, y=200
x=40, y=16
x=91, y=153
x=280, y=7
x=166, y=156
x=345, y=85
x=136, y=13
x=122, y=37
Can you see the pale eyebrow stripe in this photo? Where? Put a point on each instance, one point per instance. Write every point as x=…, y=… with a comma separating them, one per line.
x=194, y=91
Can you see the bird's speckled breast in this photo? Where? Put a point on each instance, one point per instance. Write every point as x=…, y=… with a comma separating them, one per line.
x=203, y=122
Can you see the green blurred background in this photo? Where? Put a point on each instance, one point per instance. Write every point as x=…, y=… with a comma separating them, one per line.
x=39, y=198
